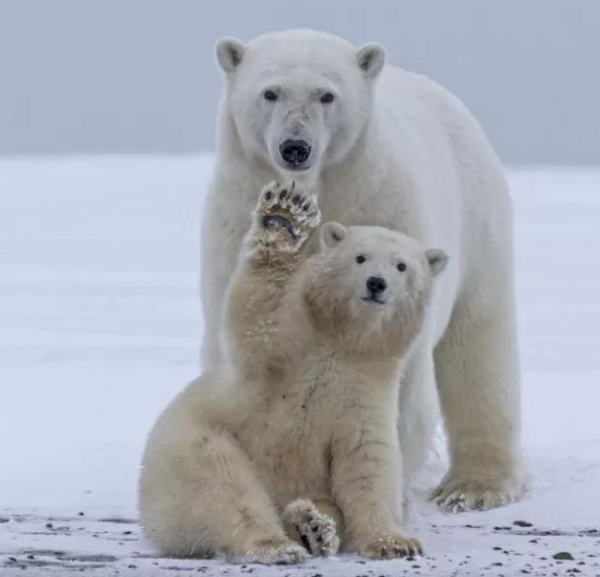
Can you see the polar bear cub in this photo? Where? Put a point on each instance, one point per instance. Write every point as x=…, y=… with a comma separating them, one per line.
x=291, y=447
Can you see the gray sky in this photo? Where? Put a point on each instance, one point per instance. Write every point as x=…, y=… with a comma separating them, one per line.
x=138, y=76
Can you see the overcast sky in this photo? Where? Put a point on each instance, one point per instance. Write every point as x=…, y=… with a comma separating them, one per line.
x=139, y=76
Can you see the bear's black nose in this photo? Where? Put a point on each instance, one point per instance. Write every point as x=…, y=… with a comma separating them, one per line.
x=295, y=152
x=376, y=285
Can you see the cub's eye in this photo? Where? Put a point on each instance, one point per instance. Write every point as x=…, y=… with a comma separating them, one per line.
x=270, y=96
x=401, y=267
x=327, y=98
x=360, y=259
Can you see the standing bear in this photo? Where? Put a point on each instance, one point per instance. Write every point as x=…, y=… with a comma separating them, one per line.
x=384, y=147
x=290, y=446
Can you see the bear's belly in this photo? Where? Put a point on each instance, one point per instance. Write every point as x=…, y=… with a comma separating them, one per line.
x=289, y=441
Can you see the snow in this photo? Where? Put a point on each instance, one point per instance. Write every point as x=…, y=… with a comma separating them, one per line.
x=100, y=326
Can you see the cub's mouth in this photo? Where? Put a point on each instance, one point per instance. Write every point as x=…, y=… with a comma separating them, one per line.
x=374, y=301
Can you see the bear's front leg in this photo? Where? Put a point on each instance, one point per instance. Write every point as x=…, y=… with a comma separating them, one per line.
x=260, y=336
x=368, y=487
x=281, y=223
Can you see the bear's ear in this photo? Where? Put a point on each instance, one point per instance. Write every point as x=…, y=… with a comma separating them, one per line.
x=371, y=58
x=437, y=259
x=332, y=233
x=230, y=53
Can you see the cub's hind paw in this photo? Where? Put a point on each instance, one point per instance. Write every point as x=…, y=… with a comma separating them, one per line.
x=317, y=532
x=286, y=212
x=271, y=553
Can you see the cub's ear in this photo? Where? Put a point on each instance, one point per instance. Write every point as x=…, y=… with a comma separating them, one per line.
x=331, y=234
x=437, y=259
x=371, y=58
x=230, y=53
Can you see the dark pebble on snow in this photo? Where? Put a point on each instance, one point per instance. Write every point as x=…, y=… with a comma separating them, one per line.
x=563, y=556
x=522, y=523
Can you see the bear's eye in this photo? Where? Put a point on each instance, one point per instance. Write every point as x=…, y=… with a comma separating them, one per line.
x=401, y=267
x=270, y=96
x=360, y=259
x=327, y=98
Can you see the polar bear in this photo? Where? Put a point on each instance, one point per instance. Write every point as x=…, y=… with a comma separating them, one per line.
x=390, y=148
x=291, y=445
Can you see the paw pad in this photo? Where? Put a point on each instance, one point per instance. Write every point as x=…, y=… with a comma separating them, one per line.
x=316, y=532
x=284, y=209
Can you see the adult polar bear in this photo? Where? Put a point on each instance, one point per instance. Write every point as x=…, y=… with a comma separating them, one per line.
x=383, y=146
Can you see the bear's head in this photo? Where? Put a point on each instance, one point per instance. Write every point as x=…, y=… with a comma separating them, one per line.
x=299, y=99
x=371, y=286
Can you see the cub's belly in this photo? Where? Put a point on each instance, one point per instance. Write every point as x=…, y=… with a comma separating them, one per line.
x=289, y=444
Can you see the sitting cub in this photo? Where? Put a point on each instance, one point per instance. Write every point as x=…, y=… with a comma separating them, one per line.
x=292, y=448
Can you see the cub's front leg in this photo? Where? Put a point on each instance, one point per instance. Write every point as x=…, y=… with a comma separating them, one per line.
x=367, y=481
x=259, y=305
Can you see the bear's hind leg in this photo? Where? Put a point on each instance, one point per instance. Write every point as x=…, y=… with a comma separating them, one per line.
x=316, y=526
x=206, y=499
x=419, y=411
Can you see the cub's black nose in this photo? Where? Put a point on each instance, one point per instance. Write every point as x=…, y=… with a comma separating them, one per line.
x=376, y=285
x=295, y=152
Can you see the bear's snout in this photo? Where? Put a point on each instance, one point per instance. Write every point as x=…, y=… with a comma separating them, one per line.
x=376, y=285
x=295, y=152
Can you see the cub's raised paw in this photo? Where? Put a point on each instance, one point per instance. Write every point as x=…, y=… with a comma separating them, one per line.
x=286, y=214
x=390, y=547
x=317, y=532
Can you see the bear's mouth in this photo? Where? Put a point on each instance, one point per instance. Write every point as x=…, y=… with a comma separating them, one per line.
x=298, y=167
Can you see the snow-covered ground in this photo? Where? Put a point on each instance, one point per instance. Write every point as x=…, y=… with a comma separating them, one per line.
x=100, y=326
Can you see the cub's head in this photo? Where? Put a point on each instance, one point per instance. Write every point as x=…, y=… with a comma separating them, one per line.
x=371, y=283
x=299, y=99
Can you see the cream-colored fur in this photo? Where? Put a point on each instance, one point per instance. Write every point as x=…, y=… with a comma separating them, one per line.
x=291, y=444
x=392, y=149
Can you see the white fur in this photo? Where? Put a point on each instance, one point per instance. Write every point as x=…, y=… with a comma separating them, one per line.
x=293, y=437
x=393, y=149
